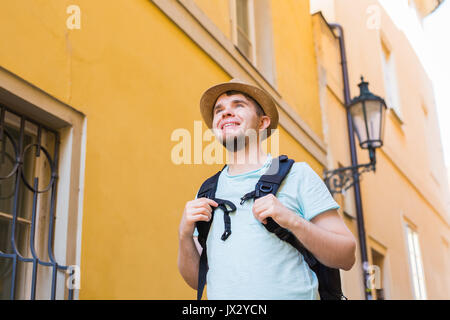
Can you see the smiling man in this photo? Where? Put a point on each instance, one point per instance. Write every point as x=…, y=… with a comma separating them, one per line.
x=250, y=262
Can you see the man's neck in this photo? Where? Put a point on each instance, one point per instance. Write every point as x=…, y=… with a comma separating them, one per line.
x=246, y=160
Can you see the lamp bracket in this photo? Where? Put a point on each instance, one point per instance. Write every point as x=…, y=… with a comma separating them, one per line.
x=342, y=179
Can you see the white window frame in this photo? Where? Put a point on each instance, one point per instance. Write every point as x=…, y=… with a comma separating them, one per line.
x=388, y=62
x=416, y=270
x=251, y=26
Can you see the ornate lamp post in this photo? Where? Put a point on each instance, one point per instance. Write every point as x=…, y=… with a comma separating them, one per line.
x=367, y=112
x=365, y=117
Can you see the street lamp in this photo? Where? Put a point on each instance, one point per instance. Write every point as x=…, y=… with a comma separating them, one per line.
x=367, y=112
x=350, y=176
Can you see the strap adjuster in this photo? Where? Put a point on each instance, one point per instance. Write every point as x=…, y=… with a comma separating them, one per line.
x=265, y=188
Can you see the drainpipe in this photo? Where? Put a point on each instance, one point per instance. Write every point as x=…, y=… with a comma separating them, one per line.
x=357, y=189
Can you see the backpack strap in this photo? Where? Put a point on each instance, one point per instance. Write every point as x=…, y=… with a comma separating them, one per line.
x=208, y=190
x=269, y=184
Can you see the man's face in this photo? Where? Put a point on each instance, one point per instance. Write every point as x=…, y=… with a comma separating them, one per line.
x=234, y=117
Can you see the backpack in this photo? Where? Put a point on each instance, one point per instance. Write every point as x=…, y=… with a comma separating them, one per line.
x=328, y=278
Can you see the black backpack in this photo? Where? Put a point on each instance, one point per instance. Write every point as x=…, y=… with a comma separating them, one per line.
x=329, y=278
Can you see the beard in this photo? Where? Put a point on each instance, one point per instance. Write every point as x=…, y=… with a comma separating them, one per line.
x=240, y=141
x=236, y=143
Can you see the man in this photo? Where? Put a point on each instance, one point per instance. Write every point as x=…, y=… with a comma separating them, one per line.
x=253, y=263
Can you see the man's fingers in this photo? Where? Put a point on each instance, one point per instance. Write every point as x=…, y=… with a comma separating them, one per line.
x=205, y=206
x=209, y=202
x=200, y=217
x=261, y=206
x=262, y=215
x=202, y=203
x=201, y=211
x=262, y=202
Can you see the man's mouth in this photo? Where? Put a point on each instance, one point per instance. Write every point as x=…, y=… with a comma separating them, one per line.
x=229, y=124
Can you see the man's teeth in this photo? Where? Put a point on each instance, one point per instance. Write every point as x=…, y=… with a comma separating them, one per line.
x=230, y=125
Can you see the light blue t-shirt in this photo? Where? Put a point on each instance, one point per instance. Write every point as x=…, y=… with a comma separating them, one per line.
x=253, y=263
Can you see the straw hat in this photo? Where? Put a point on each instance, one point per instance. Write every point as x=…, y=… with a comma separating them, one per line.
x=210, y=96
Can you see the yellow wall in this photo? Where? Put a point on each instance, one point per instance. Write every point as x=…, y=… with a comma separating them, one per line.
x=137, y=77
x=219, y=12
x=295, y=59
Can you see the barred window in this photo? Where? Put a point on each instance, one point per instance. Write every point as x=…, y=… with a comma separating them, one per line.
x=28, y=180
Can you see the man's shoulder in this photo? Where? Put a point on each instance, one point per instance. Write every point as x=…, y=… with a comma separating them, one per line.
x=299, y=168
x=296, y=173
x=299, y=172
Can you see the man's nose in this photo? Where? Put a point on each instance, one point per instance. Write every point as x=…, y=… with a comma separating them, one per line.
x=228, y=111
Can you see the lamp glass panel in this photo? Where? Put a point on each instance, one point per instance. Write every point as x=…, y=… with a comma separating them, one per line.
x=359, y=125
x=369, y=128
x=374, y=120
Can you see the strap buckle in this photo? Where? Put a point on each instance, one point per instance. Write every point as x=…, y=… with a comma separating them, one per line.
x=247, y=196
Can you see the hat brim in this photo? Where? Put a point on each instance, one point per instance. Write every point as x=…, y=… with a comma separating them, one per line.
x=211, y=95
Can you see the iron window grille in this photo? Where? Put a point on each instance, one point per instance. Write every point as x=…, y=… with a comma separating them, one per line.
x=28, y=180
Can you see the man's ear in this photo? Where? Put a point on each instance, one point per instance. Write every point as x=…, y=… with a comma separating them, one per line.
x=264, y=122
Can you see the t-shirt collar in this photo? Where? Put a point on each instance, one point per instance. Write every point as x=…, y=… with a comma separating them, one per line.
x=264, y=167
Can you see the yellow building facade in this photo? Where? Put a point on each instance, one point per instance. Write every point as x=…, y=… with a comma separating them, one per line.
x=120, y=82
x=119, y=78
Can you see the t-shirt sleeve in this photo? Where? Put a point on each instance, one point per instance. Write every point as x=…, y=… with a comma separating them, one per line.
x=314, y=197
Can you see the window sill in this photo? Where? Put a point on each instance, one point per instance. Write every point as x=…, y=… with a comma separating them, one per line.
x=244, y=56
x=396, y=118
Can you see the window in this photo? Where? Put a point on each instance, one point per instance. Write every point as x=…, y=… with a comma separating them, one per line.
x=378, y=262
x=28, y=166
x=446, y=257
x=252, y=34
x=415, y=263
x=44, y=138
x=390, y=80
x=244, y=28
x=433, y=148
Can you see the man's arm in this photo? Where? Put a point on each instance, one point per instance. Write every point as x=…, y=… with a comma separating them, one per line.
x=326, y=236
x=189, y=248
x=188, y=260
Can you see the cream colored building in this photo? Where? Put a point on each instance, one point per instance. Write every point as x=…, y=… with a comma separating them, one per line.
x=405, y=203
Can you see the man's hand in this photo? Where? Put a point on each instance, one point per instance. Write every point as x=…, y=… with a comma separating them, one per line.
x=270, y=206
x=325, y=236
x=189, y=251
x=195, y=210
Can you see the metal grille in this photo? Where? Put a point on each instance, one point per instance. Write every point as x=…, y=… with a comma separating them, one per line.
x=28, y=179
